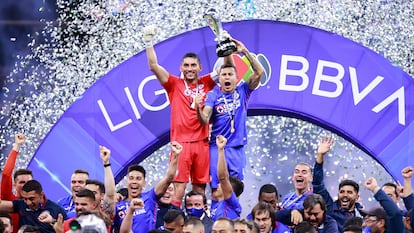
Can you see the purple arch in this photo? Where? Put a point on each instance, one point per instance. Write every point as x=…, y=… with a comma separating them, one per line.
x=311, y=74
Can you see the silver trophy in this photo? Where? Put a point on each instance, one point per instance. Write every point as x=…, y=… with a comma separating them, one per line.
x=225, y=46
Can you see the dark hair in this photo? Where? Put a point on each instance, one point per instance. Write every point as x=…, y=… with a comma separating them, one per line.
x=81, y=171
x=312, y=200
x=6, y=215
x=237, y=185
x=389, y=184
x=353, y=228
x=136, y=167
x=227, y=65
x=194, y=193
x=98, y=183
x=32, y=185
x=123, y=192
x=21, y=171
x=263, y=207
x=304, y=227
x=350, y=183
x=173, y=215
x=377, y=212
x=192, y=55
x=86, y=193
x=268, y=188
x=353, y=221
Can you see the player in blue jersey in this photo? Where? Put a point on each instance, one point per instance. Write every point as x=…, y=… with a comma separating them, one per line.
x=131, y=214
x=226, y=108
x=77, y=182
x=226, y=202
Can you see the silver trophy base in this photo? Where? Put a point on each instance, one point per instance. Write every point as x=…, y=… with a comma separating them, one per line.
x=225, y=48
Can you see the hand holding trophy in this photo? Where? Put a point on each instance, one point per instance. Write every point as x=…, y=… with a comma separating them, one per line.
x=225, y=46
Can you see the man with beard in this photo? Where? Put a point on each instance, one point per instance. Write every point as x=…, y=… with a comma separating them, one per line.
x=301, y=178
x=77, y=182
x=346, y=205
x=85, y=201
x=185, y=127
x=226, y=108
x=314, y=211
x=137, y=212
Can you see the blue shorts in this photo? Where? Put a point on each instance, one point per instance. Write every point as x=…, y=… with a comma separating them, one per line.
x=235, y=159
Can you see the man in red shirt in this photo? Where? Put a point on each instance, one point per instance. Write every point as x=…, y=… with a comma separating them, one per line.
x=186, y=129
x=20, y=177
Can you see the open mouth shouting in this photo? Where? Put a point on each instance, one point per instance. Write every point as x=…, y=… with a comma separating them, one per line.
x=345, y=202
x=135, y=190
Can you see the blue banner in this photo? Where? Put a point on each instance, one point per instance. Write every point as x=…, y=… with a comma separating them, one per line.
x=310, y=74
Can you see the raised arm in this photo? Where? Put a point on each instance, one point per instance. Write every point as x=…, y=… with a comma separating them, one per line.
x=394, y=214
x=372, y=185
x=324, y=147
x=407, y=194
x=161, y=187
x=407, y=173
x=109, y=199
x=148, y=33
x=254, y=79
x=6, y=176
x=126, y=224
x=319, y=187
x=222, y=172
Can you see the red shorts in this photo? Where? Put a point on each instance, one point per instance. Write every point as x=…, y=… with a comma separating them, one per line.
x=194, y=163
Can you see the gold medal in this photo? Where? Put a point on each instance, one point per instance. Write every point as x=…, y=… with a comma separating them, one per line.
x=232, y=126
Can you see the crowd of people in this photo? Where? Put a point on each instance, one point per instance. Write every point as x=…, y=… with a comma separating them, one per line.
x=208, y=135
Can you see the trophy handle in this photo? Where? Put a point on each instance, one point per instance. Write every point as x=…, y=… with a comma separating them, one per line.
x=214, y=22
x=224, y=46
